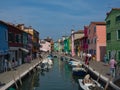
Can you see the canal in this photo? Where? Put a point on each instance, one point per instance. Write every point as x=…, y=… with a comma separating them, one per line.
x=59, y=77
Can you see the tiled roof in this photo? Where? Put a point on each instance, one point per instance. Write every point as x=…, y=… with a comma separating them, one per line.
x=99, y=23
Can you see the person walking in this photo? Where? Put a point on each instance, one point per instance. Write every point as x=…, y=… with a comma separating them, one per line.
x=112, y=64
x=106, y=59
x=5, y=65
x=9, y=65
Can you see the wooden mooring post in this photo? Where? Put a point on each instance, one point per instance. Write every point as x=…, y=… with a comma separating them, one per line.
x=98, y=77
x=15, y=81
x=19, y=77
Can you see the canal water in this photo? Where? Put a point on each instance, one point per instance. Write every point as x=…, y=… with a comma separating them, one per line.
x=59, y=77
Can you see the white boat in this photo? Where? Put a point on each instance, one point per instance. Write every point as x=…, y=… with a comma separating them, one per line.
x=74, y=63
x=90, y=86
x=50, y=62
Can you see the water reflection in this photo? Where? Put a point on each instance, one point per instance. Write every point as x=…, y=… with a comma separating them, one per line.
x=59, y=77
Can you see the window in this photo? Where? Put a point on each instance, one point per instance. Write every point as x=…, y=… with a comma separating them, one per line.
x=94, y=52
x=118, y=55
x=118, y=34
x=118, y=19
x=20, y=40
x=11, y=37
x=94, y=40
x=109, y=54
x=108, y=36
x=108, y=23
x=94, y=29
x=17, y=38
x=88, y=41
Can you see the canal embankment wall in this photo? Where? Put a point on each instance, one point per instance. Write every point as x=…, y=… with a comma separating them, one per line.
x=99, y=70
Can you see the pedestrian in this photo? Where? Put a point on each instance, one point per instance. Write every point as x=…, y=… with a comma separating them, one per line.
x=86, y=60
x=5, y=65
x=20, y=61
x=105, y=59
x=9, y=65
x=28, y=58
x=112, y=64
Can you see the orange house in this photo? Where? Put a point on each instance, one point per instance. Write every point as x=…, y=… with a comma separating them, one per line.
x=97, y=40
x=35, y=37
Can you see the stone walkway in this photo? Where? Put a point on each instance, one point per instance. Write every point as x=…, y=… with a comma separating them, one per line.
x=9, y=77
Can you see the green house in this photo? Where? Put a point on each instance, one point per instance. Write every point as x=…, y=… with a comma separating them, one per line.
x=67, y=45
x=113, y=33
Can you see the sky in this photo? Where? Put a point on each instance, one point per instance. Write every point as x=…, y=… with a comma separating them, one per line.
x=55, y=18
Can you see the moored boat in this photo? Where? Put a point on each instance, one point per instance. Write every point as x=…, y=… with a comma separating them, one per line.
x=90, y=84
x=79, y=71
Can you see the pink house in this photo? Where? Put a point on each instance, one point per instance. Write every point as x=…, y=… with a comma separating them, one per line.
x=97, y=40
x=45, y=46
x=85, y=43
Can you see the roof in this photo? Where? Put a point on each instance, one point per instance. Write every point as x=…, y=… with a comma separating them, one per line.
x=79, y=31
x=99, y=23
x=12, y=25
x=108, y=13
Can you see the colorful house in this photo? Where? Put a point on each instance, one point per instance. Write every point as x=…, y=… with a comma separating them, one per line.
x=67, y=45
x=3, y=44
x=17, y=40
x=77, y=40
x=84, y=42
x=35, y=38
x=56, y=46
x=113, y=33
x=45, y=46
x=97, y=40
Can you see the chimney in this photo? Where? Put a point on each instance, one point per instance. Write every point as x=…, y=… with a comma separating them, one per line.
x=20, y=26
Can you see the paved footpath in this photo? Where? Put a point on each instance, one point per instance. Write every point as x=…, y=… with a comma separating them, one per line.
x=10, y=77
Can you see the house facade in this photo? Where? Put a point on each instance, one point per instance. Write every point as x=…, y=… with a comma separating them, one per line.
x=67, y=47
x=34, y=44
x=97, y=40
x=45, y=46
x=113, y=33
x=84, y=42
x=77, y=41
x=4, y=51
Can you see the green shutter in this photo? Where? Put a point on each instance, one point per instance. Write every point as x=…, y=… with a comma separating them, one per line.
x=118, y=34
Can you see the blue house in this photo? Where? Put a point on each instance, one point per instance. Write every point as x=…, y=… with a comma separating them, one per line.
x=3, y=44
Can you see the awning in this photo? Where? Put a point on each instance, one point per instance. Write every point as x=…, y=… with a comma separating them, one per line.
x=24, y=49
